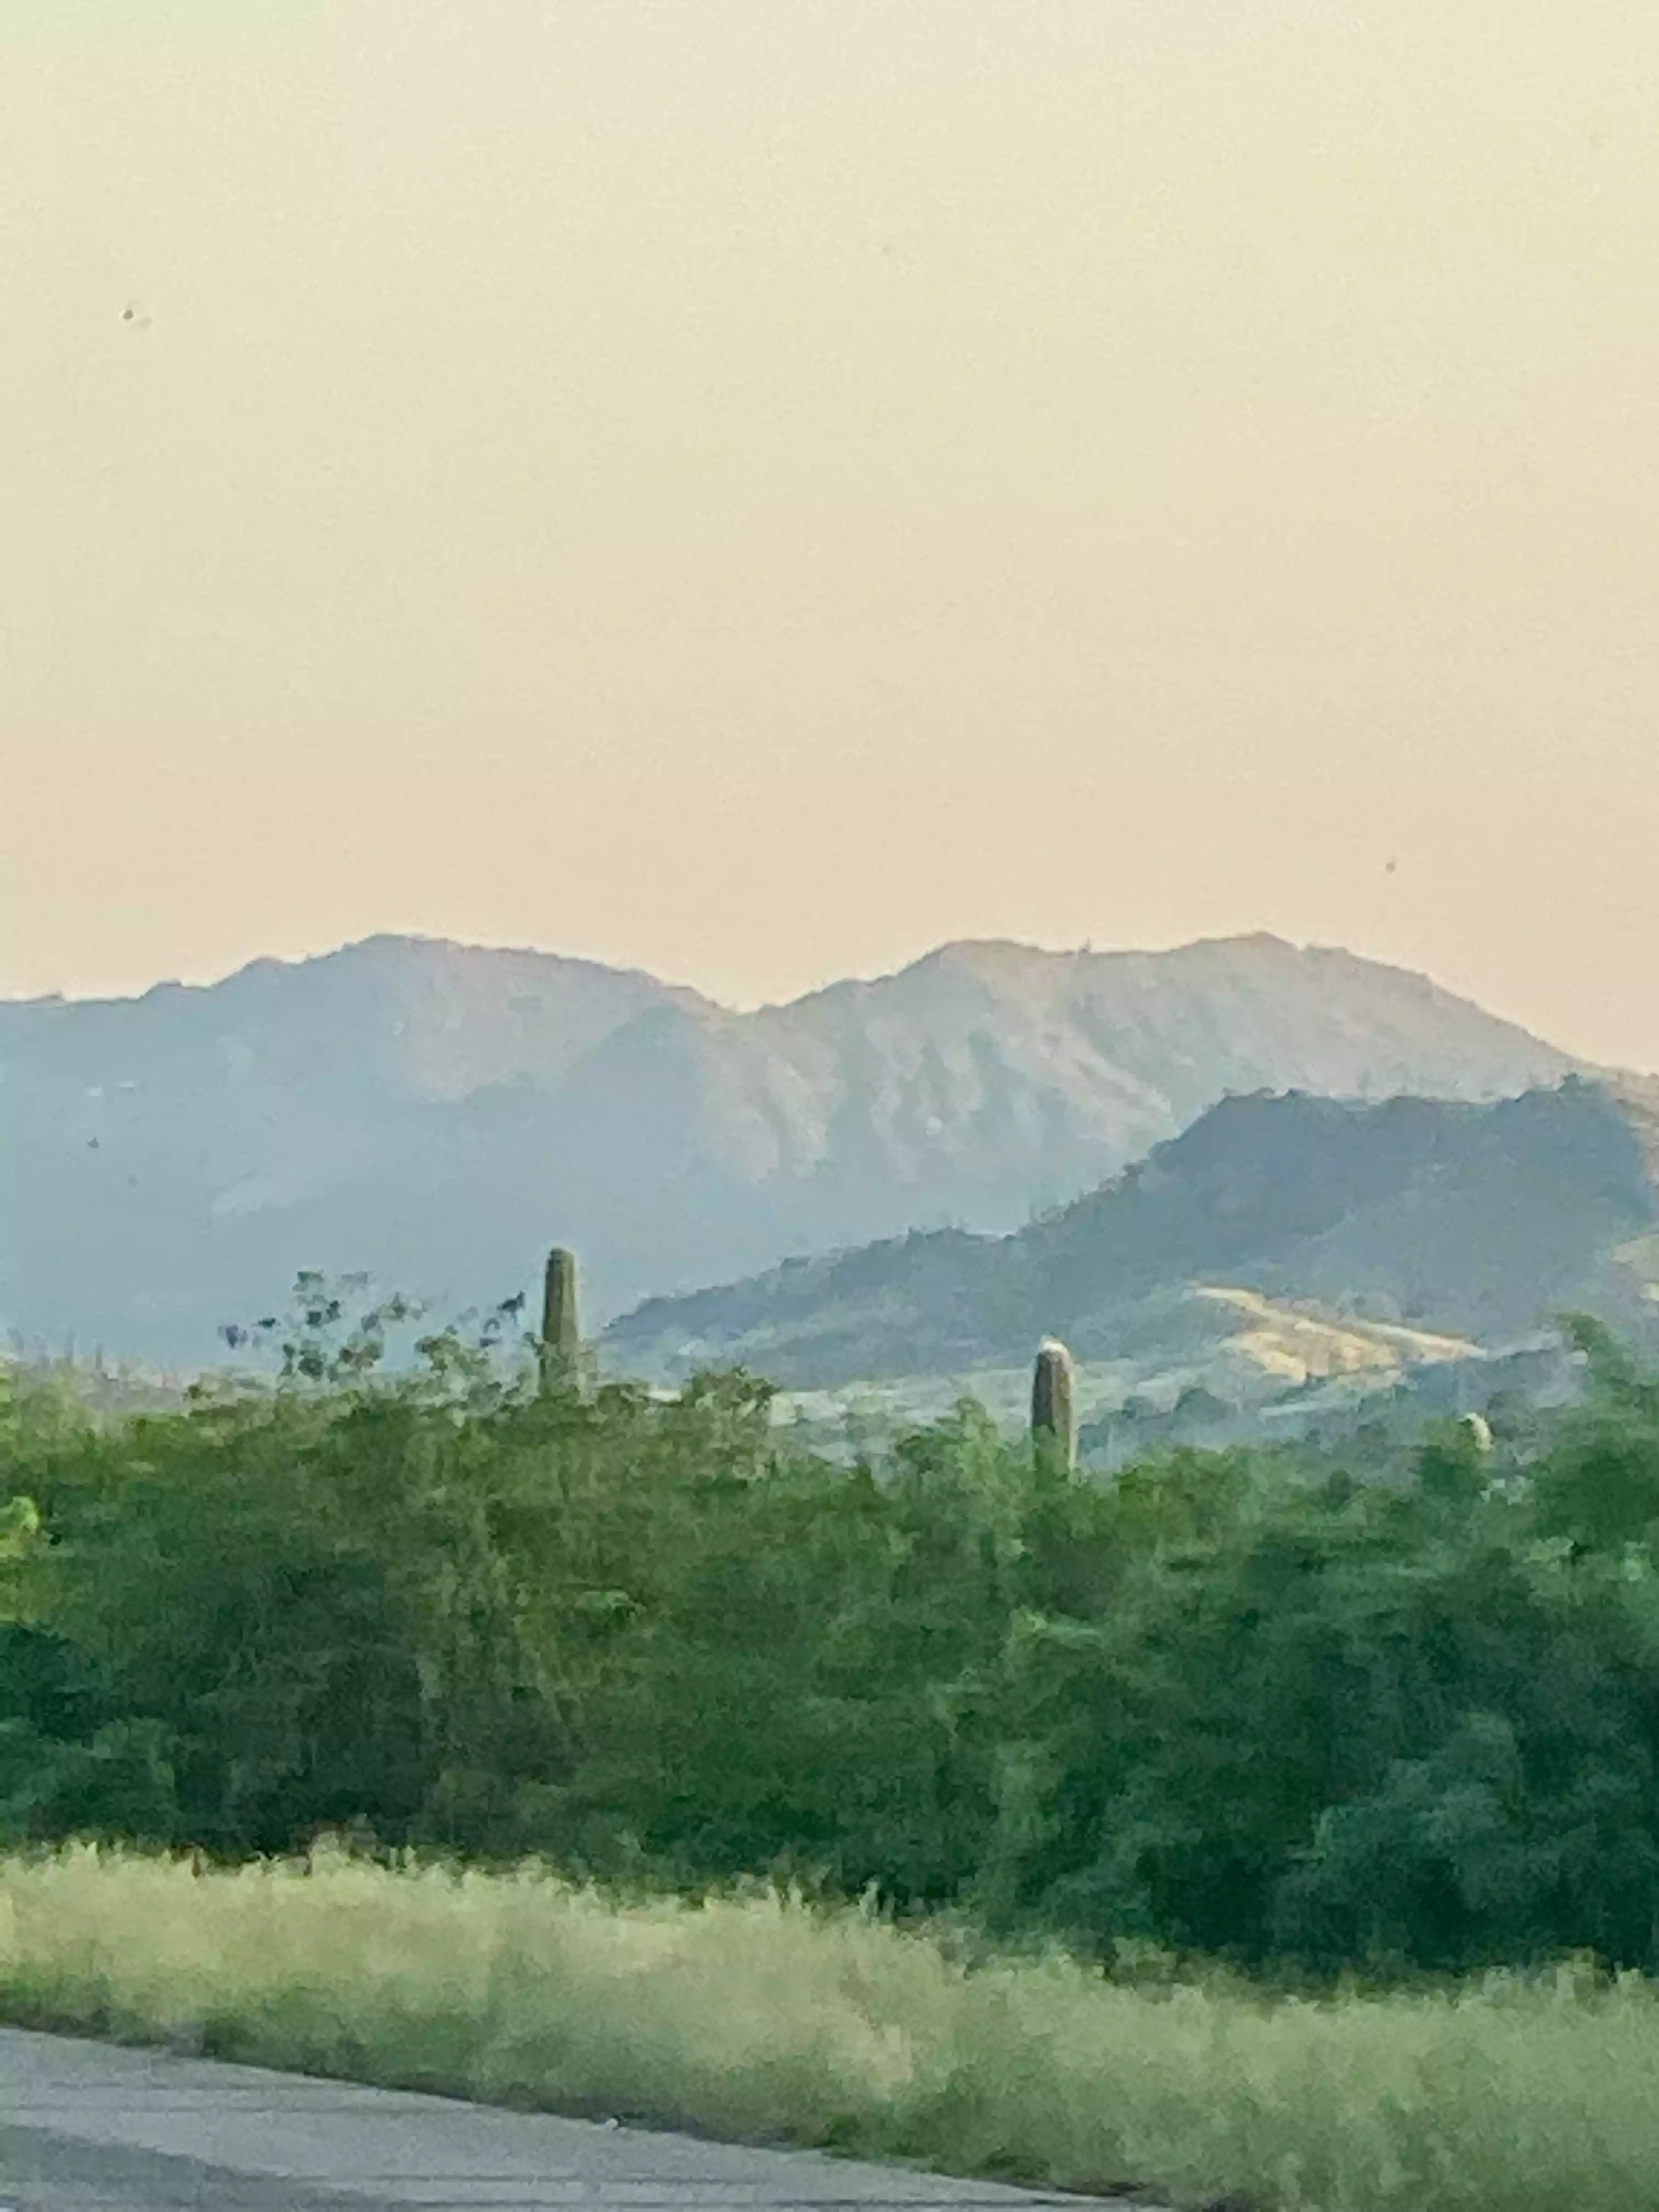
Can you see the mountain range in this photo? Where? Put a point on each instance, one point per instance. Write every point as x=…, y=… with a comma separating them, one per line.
x=437, y=1113
x=1308, y=1233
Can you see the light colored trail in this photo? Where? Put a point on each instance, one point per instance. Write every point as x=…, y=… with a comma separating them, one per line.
x=87, y=2128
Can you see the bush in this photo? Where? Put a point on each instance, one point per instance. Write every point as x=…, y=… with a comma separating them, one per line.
x=1289, y=1721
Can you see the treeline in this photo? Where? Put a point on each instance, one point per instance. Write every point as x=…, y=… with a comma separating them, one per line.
x=1223, y=1703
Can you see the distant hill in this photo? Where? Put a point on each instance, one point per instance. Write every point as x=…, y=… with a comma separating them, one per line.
x=436, y=1114
x=1316, y=1234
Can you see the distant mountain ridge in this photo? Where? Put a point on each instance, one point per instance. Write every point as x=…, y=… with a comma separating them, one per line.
x=437, y=1113
x=1428, y=1215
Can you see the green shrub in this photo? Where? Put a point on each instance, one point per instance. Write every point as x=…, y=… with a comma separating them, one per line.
x=1293, y=1722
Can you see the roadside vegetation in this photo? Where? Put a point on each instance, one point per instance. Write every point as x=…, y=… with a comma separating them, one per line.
x=567, y=1669
x=766, y=2020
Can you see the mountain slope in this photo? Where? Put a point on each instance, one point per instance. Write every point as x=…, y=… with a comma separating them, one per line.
x=1480, y=1221
x=437, y=1113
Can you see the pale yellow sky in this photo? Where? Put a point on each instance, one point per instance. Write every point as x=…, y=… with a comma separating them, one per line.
x=753, y=487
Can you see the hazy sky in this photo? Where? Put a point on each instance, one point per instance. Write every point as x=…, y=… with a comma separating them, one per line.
x=753, y=487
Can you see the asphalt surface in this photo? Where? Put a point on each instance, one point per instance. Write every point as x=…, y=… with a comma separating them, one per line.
x=87, y=2128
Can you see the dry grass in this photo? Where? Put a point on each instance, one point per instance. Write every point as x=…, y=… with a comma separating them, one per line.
x=761, y=2018
x=1297, y=1344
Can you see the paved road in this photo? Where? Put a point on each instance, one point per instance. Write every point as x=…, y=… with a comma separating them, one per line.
x=85, y=2128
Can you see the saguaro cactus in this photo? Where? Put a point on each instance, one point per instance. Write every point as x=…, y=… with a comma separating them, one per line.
x=561, y=1335
x=1053, y=1405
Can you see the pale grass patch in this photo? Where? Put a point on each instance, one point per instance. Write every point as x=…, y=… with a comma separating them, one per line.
x=760, y=2017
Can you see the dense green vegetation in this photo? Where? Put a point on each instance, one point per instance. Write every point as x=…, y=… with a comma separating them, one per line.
x=1231, y=1706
